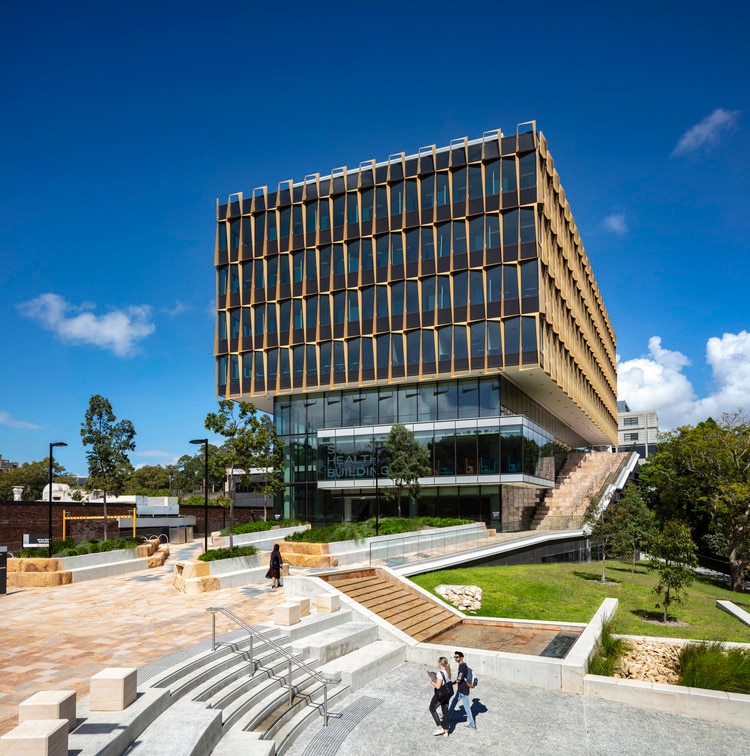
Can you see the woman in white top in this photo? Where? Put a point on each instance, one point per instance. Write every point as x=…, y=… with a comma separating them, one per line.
x=441, y=697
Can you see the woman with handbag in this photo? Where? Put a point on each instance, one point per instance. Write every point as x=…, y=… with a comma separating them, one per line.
x=442, y=696
x=274, y=569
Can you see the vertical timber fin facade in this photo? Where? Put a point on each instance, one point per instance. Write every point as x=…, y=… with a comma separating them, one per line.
x=447, y=290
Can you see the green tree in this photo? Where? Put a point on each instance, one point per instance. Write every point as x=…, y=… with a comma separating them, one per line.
x=33, y=477
x=189, y=472
x=110, y=442
x=251, y=445
x=268, y=477
x=705, y=471
x=599, y=522
x=634, y=525
x=674, y=557
x=407, y=461
x=149, y=480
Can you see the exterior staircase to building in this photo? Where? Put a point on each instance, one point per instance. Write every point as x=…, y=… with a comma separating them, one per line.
x=403, y=607
x=581, y=479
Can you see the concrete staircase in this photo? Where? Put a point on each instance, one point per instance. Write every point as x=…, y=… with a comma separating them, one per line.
x=581, y=478
x=237, y=698
x=406, y=608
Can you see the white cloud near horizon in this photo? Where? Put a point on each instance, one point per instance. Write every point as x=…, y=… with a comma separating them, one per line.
x=706, y=132
x=118, y=331
x=656, y=381
x=7, y=419
x=615, y=224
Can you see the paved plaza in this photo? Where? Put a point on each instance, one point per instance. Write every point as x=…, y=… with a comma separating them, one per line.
x=54, y=638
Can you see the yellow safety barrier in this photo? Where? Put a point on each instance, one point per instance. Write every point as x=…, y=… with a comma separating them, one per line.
x=66, y=517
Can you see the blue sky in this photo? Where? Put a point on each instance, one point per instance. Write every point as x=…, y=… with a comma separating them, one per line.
x=122, y=125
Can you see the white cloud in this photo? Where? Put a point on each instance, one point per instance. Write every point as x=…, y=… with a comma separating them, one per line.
x=706, y=132
x=656, y=381
x=615, y=224
x=7, y=419
x=178, y=309
x=117, y=330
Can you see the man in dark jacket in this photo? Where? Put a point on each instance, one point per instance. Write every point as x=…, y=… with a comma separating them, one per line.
x=462, y=694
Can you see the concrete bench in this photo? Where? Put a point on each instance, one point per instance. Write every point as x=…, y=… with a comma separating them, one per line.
x=49, y=704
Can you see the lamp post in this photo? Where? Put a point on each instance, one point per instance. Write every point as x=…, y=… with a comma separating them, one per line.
x=49, y=529
x=376, y=457
x=204, y=441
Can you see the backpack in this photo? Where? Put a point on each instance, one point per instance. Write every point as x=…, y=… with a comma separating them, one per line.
x=445, y=691
x=471, y=680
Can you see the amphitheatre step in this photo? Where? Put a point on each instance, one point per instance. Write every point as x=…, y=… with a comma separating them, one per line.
x=337, y=641
x=109, y=733
x=187, y=727
x=360, y=667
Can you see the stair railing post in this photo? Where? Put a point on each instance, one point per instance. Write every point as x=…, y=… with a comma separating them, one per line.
x=252, y=660
x=291, y=691
x=325, y=705
x=213, y=631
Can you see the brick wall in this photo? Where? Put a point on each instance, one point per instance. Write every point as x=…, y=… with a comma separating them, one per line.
x=19, y=517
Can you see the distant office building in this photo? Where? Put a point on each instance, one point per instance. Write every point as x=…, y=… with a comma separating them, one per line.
x=637, y=431
x=7, y=466
x=447, y=290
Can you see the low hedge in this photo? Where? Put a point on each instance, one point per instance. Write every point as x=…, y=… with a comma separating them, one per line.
x=258, y=527
x=213, y=555
x=70, y=547
x=359, y=531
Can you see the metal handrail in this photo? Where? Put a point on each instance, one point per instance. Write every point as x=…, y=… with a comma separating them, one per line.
x=436, y=543
x=253, y=631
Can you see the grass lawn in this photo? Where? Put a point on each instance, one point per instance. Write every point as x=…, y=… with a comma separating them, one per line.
x=571, y=592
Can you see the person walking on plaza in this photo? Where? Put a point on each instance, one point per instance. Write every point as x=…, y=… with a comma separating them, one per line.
x=442, y=696
x=462, y=694
x=274, y=570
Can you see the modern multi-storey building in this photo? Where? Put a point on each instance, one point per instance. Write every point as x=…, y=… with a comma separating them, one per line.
x=637, y=431
x=447, y=290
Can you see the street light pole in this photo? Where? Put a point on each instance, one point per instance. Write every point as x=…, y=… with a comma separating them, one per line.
x=377, y=489
x=49, y=528
x=204, y=441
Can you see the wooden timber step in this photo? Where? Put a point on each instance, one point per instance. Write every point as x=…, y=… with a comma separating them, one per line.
x=407, y=609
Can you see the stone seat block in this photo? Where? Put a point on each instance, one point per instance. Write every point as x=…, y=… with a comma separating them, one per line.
x=36, y=737
x=327, y=603
x=286, y=614
x=304, y=604
x=113, y=689
x=49, y=704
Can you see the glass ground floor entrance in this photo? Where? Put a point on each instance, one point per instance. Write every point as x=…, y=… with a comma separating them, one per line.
x=322, y=507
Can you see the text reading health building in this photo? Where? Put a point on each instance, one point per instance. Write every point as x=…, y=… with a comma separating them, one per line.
x=447, y=290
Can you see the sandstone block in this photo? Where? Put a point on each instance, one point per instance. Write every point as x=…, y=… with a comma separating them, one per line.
x=113, y=689
x=49, y=704
x=286, y=614
x=303, y=602
x=327, y=603
x=36, y=737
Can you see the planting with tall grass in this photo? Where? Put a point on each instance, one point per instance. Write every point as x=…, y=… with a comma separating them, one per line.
x=712, y=666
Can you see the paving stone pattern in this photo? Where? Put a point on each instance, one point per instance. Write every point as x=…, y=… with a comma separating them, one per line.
x=53, y=638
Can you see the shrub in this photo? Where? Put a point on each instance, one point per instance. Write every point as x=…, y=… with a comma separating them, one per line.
x=366, y=529
x=213, y=555
x=444, y=522
x=710, y=665
x=609, y=653
x=329, y=534
x=258, y=527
